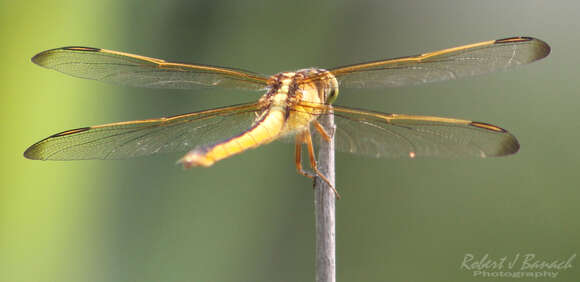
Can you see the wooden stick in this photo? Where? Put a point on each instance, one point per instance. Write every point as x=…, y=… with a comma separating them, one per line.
x=324, y=207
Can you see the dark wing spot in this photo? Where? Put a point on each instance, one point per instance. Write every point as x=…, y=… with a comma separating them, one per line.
x=79, y=48
x=69, y=132
x=513, y=39
x=487, y=126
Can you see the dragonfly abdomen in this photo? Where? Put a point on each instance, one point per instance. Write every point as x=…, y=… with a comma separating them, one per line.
x=262, y=132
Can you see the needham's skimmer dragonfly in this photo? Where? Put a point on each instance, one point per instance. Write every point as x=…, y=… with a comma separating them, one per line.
x=291, y=106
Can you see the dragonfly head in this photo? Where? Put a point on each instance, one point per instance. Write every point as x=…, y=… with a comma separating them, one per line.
x=328, y=86
x=331, y=92
x=325, y=83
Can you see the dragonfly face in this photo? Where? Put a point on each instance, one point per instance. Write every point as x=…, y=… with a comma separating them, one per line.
x=291, y=106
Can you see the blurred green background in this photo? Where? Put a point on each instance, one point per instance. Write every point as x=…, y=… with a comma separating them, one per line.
x=250, y=218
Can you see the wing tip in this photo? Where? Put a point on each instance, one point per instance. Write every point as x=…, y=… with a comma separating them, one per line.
x=42, y=57
x=541, y=49
x=509, y=145
x=34, y=152
x=37, y=151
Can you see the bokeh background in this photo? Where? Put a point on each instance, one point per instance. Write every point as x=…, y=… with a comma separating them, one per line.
x=250, y=218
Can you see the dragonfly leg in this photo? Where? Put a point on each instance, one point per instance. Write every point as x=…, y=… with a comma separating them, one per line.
x=321, y=130
x=307, y=138
x=299, y=140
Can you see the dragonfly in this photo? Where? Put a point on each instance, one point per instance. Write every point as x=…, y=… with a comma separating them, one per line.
x=291, y=107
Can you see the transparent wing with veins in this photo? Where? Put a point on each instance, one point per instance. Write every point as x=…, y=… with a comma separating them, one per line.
x=140, y=71
x=382, y=135
x=146, y=137
x=452, y=63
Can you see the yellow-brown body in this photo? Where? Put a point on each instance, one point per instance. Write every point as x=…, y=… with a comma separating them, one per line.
x=286, y=112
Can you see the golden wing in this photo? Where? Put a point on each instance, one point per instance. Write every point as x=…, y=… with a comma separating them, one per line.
x=135, y=70
x=145, y=137
x=383, y=135
x=457, y=62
